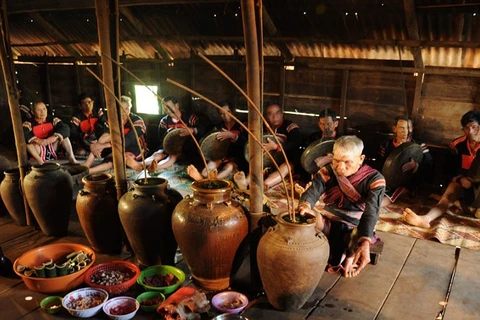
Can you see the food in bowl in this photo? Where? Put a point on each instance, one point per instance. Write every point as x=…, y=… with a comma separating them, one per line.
x=52, y=304
x=230, y=301
x=159, y=280
x=121, y=308
x=85, y=302
x=111, y=277
x=161, y=273
x=150, y=300
x=54, y=252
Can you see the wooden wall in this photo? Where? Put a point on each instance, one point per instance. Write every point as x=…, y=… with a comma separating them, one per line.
x=373, y=98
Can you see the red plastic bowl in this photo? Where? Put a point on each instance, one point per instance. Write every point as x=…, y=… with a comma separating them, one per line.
x=122, y=266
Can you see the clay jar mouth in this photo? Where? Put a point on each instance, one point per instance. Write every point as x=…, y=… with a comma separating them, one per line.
x=305, y=220
x=97, y=177
x=49, y=166
x=215, y=185
x=149, y=182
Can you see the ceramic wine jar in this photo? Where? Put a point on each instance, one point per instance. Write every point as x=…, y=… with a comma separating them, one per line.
x=291, y=260
x=146, y=216
x=209, y=228
x=49, y=194
x=12, y=197
x=97, y=209
x=4, y=166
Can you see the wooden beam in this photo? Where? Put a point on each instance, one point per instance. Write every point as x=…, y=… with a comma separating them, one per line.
x=48, y=87
x=275, y=39
x=76, y=72
x=271, y=30
x=282, y=86
x=25, y=6
x=139, y=26
x=54, y=32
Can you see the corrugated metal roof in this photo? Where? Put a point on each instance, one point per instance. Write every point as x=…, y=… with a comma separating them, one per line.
x=448, y=32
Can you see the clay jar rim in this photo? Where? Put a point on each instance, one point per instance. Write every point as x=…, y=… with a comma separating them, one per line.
x=149, y=182
x=97, y=178
x=224, y=185
x=48, y=166
x=280, y=219
x=13, y=171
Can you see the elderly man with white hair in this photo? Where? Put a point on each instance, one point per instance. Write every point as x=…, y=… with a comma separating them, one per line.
x=353, y=192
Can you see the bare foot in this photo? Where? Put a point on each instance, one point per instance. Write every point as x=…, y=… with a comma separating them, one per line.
x=351, y=270
x=132, y=163
x=72, y=160
x=159, y=156
x=153, y=166
x=477, y=213
x=412, y=218
x=193, y=173
x=240, y=180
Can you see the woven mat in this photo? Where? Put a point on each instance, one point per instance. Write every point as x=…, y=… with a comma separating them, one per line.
x=452, y=229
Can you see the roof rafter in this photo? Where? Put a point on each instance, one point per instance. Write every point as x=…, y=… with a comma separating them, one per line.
x=54, y=32
x=142, y=30
x=412, y=29
x=272, y=30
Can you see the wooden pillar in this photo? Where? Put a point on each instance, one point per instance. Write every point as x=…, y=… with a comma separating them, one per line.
x=343, y=101
x=235, y=77
x=253, y=91
x=193, y=71
x=48, y=87
x=76, y=71
x=282, y=86
x=9, y=80
x=116, y=131
x=101, y=90
x=417, y=95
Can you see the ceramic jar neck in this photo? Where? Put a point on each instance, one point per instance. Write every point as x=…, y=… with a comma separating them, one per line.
x=212, y=191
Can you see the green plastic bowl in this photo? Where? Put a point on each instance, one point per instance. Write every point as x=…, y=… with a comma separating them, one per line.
x=52, y=304
x=161, y=270
x=148, y=296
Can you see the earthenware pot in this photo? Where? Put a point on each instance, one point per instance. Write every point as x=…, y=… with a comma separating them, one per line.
x=11, y=194
x=97, y=209
x=146, y=215
x=210, y=228
x=4, y=166
x=49, y=194
x=291, y=259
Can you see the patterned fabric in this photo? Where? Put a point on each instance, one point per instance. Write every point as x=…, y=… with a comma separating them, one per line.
x=451, y=229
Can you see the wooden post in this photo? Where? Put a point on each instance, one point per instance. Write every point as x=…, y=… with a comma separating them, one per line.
x=343, y=101
x=116, y=131
x=282, y=85
x=9, y=81
x=48, y=87
x=256, y=126
x=76, y=71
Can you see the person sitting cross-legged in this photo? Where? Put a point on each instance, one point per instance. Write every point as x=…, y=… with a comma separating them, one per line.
x=45, y=134
x=462, y=186
x=353, y=192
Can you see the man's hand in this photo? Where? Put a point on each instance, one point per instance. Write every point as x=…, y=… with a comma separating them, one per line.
x=465, y=182
x=225, y=134
x=323, y=160
x=362, y=258
x=40, y=142
x=410, y=165
x=96, y=149
x=304, y=207
x=270, y=145
x=51, y=139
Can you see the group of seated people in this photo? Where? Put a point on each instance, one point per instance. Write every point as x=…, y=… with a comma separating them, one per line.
x=353, y=191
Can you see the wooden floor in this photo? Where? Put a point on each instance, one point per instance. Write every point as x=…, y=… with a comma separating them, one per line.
x=410, y=281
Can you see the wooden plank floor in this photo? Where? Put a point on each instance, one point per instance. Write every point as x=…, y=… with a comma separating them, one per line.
x=409, y=282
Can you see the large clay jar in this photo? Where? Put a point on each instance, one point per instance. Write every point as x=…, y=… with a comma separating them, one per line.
x=12, y=197
x=291, y=259
x=146, y=215
x=97, y=209
x=49, y=194
x=209, y=228
x=4, y=166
